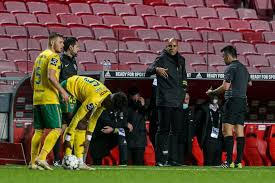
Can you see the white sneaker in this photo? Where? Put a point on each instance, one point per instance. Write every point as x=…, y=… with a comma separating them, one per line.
x=83, y=166
x=35, y=167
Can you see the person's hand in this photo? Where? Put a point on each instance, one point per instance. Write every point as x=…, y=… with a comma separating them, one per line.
x=142, y=101
x=209, y=91
x=162, y=72
x=130, y=127
x=107, y=129
x=65, y=97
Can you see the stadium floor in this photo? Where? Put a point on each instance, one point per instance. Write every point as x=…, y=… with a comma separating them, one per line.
x=102, y=174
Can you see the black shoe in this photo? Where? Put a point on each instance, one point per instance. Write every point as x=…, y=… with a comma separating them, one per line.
x=174, y=163
x=57, y=163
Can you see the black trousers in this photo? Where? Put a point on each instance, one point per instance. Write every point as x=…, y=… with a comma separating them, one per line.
x=212, y=152
x=136, y=155
x=101, y=146
x=170, y=136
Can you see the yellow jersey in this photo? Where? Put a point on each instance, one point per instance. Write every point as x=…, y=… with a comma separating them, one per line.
x=91, y=93
x=44, y=91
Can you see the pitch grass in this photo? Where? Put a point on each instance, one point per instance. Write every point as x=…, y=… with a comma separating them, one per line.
x=104, y=174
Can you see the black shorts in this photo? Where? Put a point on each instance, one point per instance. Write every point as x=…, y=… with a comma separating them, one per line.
x=234, y=111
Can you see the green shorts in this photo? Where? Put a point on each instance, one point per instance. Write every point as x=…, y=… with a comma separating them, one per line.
x=47, y=116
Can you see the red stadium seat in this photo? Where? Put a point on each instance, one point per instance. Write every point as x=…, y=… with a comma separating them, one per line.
x=2, y=32
x=138, y=67
x=47, y=19
x=227, y=13
x=16, y=7
x=113, y=1
x=204, y=68
x=16, y=31
x=147, y=34
x=219, y=46
x=219, y=24
x=63, y=30
x=243, y=60
x=231, y=37
x=28, y=44
x=2, y=55
x=69, y=19
x=7, y=18
x=126, y=34
x=12, y=74
x=126, y=57
x=38, y=32
x=102, y=9
x=215, y=3
x=147, y=58
x=247, y=14
x=253, y=37
x=91, y=20
x=196, y=23
x=260, y=25
x=86, y=57
x=24, y=66
x=136, y=46
x=103, y=33
x=264, y=9
x=123, y=9
x=142, y=10
x=207, y=13
x=184, y=47
x=269, y=70
x=114, y=45
x=56, y=8
x=175, y=3
x=37, y=7
x=111, y=20
x=105, y=55
x=269, y=37
x=81, y=32
x=245, y=48
x=211, y=36
x=2, y=7
x=194, y=3
x=134, y=21
x=214, y=60
x=133, y=2
x=165, y=34
x=186, y=12
x=7, y=43
x=194, y=59
x=13, y=55
x=240, y=25
x=202, y=48
x=165, y=11
x=24, y=19
x=33, y=55
x=177, y=23
x=94, y=45
x=156, y=46
x=253, y=70
x=7, y=66
x=155, y=22
x=221, y=69
x=257, y=61
x=265, y=49
x=80, y=8
x=190, y=35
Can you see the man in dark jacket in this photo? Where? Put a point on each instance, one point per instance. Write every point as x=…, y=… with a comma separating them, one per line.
x=109, y=132
x=136, y=138
x=169, y=68
x=209, y=131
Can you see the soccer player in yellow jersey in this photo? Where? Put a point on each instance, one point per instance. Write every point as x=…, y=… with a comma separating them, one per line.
x=94, y=98
x=46, y=89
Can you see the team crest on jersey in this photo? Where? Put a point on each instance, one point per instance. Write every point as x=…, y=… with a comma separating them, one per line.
x=54, y=61
x=90, y=107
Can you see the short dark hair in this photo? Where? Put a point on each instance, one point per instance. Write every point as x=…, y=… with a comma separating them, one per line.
x=119, y=101
x=70, y=41
x=230, y=50
x=53, y=35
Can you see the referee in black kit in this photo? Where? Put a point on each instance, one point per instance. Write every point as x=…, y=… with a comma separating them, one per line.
x=236, y=80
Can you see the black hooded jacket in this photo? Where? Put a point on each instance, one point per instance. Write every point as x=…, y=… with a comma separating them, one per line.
x=170, y=91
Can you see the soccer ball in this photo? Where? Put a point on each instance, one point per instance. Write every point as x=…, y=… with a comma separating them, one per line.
x=70, y=162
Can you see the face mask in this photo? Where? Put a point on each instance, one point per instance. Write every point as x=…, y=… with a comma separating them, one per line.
x=215, y=101
x=184, y=106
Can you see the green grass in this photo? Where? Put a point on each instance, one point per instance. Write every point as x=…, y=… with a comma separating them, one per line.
x=20, y=174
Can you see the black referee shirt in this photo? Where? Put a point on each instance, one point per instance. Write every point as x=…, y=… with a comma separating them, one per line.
x=68, y=67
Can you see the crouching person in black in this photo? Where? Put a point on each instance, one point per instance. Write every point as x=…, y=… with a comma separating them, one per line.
x=109, y=132
x=209, y=131
x=136, y=137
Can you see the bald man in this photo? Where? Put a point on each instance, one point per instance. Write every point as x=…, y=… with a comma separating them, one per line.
x=171, y=75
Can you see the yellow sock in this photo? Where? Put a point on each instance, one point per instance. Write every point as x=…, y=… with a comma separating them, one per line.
x=36, y=144
x=78, y=143
x=69, y=151
x=49, y=143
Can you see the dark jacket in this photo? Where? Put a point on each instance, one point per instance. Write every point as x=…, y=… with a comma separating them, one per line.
x=188, y=116
x=170, y=91
x=136, y=116
x=109, y=118
x=202, y=127
x=68, y=67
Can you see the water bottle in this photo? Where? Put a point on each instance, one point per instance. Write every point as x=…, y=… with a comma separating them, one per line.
x=109, y=65
x=105, y=65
